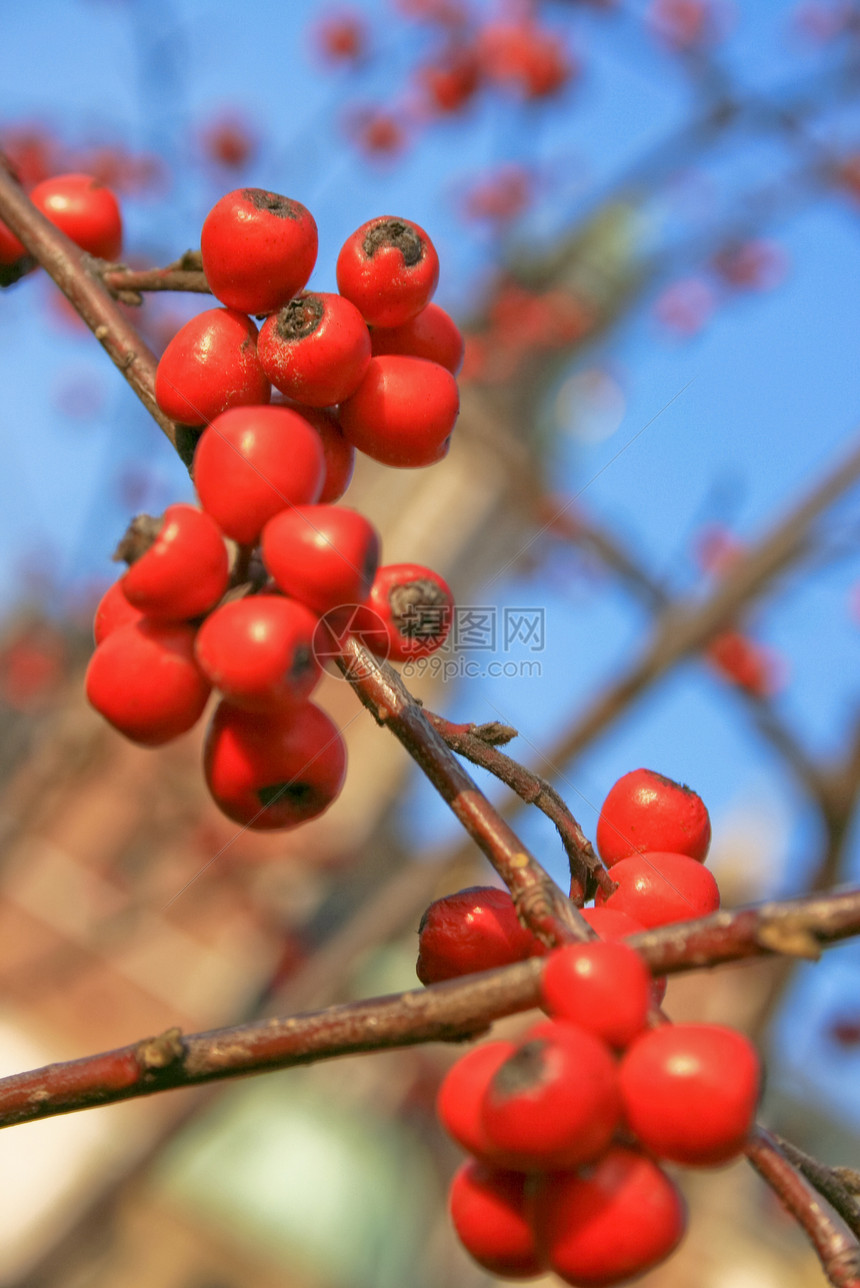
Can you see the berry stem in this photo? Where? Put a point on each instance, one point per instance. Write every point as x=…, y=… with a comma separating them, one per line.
x=540, y=904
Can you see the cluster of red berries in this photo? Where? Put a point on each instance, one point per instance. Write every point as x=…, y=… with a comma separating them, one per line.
x=81, y=207
x=568, y=1126
x=187, y=618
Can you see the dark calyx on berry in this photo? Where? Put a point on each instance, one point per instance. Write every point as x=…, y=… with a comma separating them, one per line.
x=138, y=538
x=393, y=232
x=283, y=207
x=522, y=1071
x=299, y=793
x=300, y=318
x=415, y=608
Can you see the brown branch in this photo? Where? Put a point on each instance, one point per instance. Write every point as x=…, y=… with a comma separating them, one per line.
x=791, y=928
x=837, y=1250
x=586, y=869
x=839, y=1185
x=539, y=902
x=128, y=284
x=77, y=277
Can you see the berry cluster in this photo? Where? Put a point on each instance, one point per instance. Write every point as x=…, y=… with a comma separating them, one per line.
x=568, y=1127
x=248, y=593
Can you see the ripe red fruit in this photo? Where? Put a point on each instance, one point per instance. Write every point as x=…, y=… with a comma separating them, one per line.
x=659, y=887
x=316, y=349
x=258, y=249
x=610, y=1224
x=389, y=269
x=458, y=1104
x=472, y=930
x=113, y=610
x=210, y=365
x=257, y=652
x=690, y=1092
x=145, y=682
x=179, y=563
x=253, y=462
x=612, y=925
x=416, y=608
x=432, y=334
x=645, y=810
x=403, y=411
x=273, y=770
x=603, y=987
x=489, y=1209
x=84, y=209
x=554, y=1102
x=323, y=555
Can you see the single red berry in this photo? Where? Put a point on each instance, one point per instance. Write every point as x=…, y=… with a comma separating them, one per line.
x=273, y=770
x=403, y=412
x=472, y=930
x=257, y=652
x=389, y=269
x=690, y=1092
x=432, y=334
x=323, y=555
x=489, y=1210
x=659, y=887
x=339, y=454
x=316, y=349
x=554, y=1103
x=645, y=810
x=416, y=608
x=179, y=567
x=458, y=1104
x=603, y=987
x=145, y=682
x=258, y=249
x=113, y=610
x=210, y=365
x=84, y=209
x=253, y=462
x=609, y=1224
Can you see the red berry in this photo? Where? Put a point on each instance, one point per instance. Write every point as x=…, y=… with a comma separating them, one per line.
x=179, y=563
x=610, y=1224
x=145, y=682
x=489, y=1209
x=210, y=365
x=612, y=925
x=403, y=411
x=323, y=555
x=659, y=887
x=257, y=652
x=472, y=930
x=316, y=349
x=554, y=1102
x=84, y=209
x=458, y=1104
x=273, y=770
x=416, y=608
x=690, y=1092
x=113, y=611
x=258, y=249
x=603, y=987
x=432, y=334
x=389, y=269
x=253, y=462
x=645, y=810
